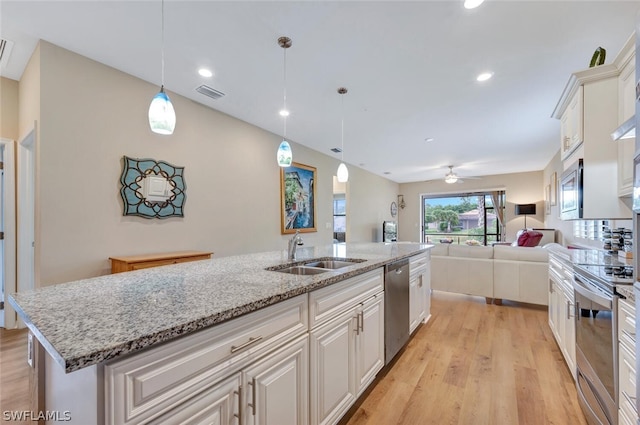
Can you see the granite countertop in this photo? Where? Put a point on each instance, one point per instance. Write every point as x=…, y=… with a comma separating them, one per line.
x=86, y=322
x=627, y=292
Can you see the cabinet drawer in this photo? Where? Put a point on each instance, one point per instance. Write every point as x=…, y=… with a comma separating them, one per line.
x=146, y=384
x=627, y=377
x=418, y=264
x=333, y=300
x=627, y=323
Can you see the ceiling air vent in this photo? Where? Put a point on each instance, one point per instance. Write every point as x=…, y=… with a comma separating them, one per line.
x=5, y=51
x=336, y=150
x=209, y=91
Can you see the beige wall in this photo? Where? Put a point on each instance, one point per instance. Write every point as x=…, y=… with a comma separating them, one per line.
x=92, y=115
x=8, y=108
x=520, y=188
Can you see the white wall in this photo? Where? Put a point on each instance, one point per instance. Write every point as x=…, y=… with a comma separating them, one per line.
x=8, y=108
x=92, y=115
x=520, y=188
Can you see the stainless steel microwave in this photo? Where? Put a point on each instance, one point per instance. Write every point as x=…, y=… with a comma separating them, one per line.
x=571, y=192
x=636, y=184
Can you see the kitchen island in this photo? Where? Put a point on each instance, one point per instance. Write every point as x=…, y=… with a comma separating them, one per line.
x=88, y=326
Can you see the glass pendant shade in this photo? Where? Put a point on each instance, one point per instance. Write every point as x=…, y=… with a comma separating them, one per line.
x=343, y=173
x=162, y=117
x=451, y=179
x=284, y=154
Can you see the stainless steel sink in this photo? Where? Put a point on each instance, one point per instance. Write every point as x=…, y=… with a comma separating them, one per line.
x=303, y=270
x=315, y=265
x=330, y=264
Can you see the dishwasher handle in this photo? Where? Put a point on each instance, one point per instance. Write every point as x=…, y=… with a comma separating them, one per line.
x=397, y=266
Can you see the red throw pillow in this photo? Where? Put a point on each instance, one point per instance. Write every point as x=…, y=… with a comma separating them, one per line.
x=529, y=238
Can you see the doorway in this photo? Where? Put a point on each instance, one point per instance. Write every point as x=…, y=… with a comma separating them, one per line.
x=339, y=211
x=7, y=231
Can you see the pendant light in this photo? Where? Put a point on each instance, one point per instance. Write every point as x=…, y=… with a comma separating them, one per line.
x=162, y=117
x=284, y=154
x=343, y=173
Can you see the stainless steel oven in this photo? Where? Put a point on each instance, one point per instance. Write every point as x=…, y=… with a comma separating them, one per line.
x=596, y=348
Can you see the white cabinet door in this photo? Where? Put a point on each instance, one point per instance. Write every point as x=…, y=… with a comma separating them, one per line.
x=571, y=124
x=370, y=342
x=333, y=386
x=218, y=405
x=569, y=332
x=416, y=306
x=277, y=387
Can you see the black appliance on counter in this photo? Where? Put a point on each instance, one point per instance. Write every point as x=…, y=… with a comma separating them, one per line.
x=389, y=231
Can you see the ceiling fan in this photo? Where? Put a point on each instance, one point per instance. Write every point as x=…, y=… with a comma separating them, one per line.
x=452, y=177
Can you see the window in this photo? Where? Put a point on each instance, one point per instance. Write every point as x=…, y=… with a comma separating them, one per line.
x=458, y=218
x=339, y=217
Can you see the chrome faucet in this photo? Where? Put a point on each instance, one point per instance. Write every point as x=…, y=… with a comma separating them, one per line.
x=293, y=244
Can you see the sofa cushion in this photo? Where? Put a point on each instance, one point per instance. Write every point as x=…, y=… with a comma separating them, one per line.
x=441, y=249
x=520, y=253
x=485, y=252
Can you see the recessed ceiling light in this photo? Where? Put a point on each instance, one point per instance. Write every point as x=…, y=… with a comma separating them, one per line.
x=284, y=113
x=204, y=72
x=484, y=76
x=429, y=139
x=472, y=4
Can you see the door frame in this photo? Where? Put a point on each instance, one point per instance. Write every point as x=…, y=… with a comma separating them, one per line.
x=26, y=277
x=9, y=206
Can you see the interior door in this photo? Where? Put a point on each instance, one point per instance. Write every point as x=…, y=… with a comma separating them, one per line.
x=7, y=232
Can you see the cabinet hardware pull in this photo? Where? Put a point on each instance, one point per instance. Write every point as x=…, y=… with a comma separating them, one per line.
x=252, y=340
x=577, y=313
x=568, y=310
x=550, y=285
x=239, y=414
x=253, y=396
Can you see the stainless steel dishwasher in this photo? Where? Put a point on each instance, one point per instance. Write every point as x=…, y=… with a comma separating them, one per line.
x=396, y=307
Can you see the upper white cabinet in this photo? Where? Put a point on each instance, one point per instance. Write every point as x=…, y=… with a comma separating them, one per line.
x=571, y=125
x=626, y=62
x=588, y=110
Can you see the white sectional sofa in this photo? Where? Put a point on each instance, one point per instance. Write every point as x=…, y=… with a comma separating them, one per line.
x=496, y=273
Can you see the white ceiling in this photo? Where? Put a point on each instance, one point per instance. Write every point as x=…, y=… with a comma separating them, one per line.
x=410, y=69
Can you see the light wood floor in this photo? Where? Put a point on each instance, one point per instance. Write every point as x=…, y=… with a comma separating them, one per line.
x=475, y=364
x=14, y=373
x=471, y=364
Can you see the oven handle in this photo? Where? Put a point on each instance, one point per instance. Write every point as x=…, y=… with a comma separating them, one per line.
x=592, y=295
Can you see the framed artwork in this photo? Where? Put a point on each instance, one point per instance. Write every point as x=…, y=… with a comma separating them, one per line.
x=152, y=189
x=547, y=200
x=298, y=198
x=553, y=182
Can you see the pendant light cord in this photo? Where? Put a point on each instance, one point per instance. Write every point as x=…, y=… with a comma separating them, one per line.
x=284, y=79
x=162, y=41
x=342, y=130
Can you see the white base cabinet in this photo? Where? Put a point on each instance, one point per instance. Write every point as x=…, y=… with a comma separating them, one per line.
x=419, y=290
x=347, y=350
x=626, y=363
x=562, y=309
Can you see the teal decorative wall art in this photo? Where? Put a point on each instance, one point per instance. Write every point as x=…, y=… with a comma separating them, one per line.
x=152, y=189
